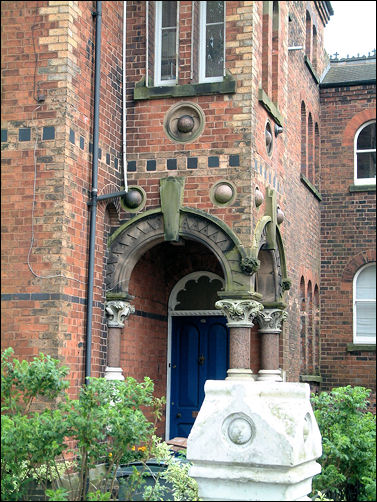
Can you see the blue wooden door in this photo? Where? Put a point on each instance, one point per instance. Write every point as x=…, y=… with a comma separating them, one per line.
x=200, y=352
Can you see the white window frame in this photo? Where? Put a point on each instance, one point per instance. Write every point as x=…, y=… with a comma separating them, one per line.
x=362, y=181
x=360, y=339
x=202, y=45
x=158, y=45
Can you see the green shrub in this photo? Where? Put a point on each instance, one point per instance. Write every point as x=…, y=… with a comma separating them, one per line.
x=103, y=428
x=349, y=444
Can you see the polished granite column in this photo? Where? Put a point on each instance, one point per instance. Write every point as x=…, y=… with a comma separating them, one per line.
x=240, y=315
x=117, y=311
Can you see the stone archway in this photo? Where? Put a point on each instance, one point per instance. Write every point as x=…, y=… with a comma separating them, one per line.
x=144, y=231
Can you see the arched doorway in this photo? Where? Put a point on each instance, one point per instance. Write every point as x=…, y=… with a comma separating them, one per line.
x=198, y=348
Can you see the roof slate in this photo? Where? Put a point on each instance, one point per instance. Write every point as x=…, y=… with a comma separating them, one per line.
x=350, y=72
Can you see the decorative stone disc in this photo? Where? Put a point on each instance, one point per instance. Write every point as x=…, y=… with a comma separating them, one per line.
x=184, y=122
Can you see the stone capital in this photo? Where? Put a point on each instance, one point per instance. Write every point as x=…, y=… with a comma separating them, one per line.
x=117, y=311
x=240, y=313
x=270, y=320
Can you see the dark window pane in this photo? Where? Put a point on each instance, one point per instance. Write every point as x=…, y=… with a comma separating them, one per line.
x=215, y=50
x=367, y=138
x=168, y=54
x=169, y=14
x=366, y=165
x=215, y=12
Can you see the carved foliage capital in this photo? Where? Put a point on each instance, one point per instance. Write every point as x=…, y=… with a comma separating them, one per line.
x=117, y=312
x=249, y=265
x=270, y=320
x=240, y=313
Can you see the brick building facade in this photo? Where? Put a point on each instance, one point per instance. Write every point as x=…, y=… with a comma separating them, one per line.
x=228, y=155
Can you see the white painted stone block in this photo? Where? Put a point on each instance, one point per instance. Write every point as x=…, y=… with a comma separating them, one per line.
x=112, y=373
x=255, y=441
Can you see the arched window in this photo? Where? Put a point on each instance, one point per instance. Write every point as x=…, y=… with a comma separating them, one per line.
x=275, y=52
x=308, y=37
x=316, y=156
x=364, y=305
x=303, y=327
x=314, y=48
x=365, y=154
x=266, y=47
x=310, y=149
x=303, y=139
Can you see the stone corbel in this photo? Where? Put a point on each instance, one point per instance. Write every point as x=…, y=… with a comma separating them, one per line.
x=117, y=311
x=240, y=313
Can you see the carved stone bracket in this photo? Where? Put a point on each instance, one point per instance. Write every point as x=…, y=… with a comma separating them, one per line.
x=240, y=313
x=270, y=320
x=117, y=312
x=249, y=265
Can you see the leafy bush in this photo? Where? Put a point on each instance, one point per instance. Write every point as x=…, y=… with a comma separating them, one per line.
x=103, y=428
x=349, y=444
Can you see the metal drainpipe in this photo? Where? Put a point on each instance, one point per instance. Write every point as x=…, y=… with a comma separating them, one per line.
x=93, y=199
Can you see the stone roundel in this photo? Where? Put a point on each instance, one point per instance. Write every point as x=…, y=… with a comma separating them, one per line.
x=184, y=122
x=239, y=429
x=223, y=193
x=134, y=200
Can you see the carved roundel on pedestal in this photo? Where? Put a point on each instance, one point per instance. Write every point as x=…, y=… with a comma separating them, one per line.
x=238, y=429
x=184, y=122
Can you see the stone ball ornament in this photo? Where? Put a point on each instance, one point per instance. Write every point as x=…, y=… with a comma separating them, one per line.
x=184, y=122
x=134, y=200
x=223, y=193
x=259, y=197
x=279, y=216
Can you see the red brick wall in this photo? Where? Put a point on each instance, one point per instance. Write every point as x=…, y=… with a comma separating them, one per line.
x=234, y=125
x=348, y=238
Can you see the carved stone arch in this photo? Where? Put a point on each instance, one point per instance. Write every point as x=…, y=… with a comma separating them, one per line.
x=271, y=279
x=144, y=231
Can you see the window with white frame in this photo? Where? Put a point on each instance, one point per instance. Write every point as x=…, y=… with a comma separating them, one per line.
x=365, y=154
x=166, y=43
x=364, y=305
x=212, y=42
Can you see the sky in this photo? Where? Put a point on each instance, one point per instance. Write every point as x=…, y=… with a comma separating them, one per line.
x=351, y=29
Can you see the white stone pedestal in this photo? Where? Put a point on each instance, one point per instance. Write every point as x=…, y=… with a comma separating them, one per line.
x=112, y=373
x=255, y=441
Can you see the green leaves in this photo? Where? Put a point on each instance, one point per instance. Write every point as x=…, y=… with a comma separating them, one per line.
x=104, y=425
x=348, y=441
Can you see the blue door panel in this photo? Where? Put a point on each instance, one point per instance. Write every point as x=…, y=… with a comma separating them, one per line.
x=200, y=348
x=218, y=354
x=188, y=341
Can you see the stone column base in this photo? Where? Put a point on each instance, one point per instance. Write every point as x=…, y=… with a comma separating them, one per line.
x=240, y=373
x=269, y=376
x=254, y=441
x=112, y=373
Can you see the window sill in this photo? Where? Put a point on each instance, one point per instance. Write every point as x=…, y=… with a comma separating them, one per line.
x=227, y=86
x=310, y=187
x=270, y=106
x=362, y=188
x=361, y=347
x=311, y=69
x=311, y=378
